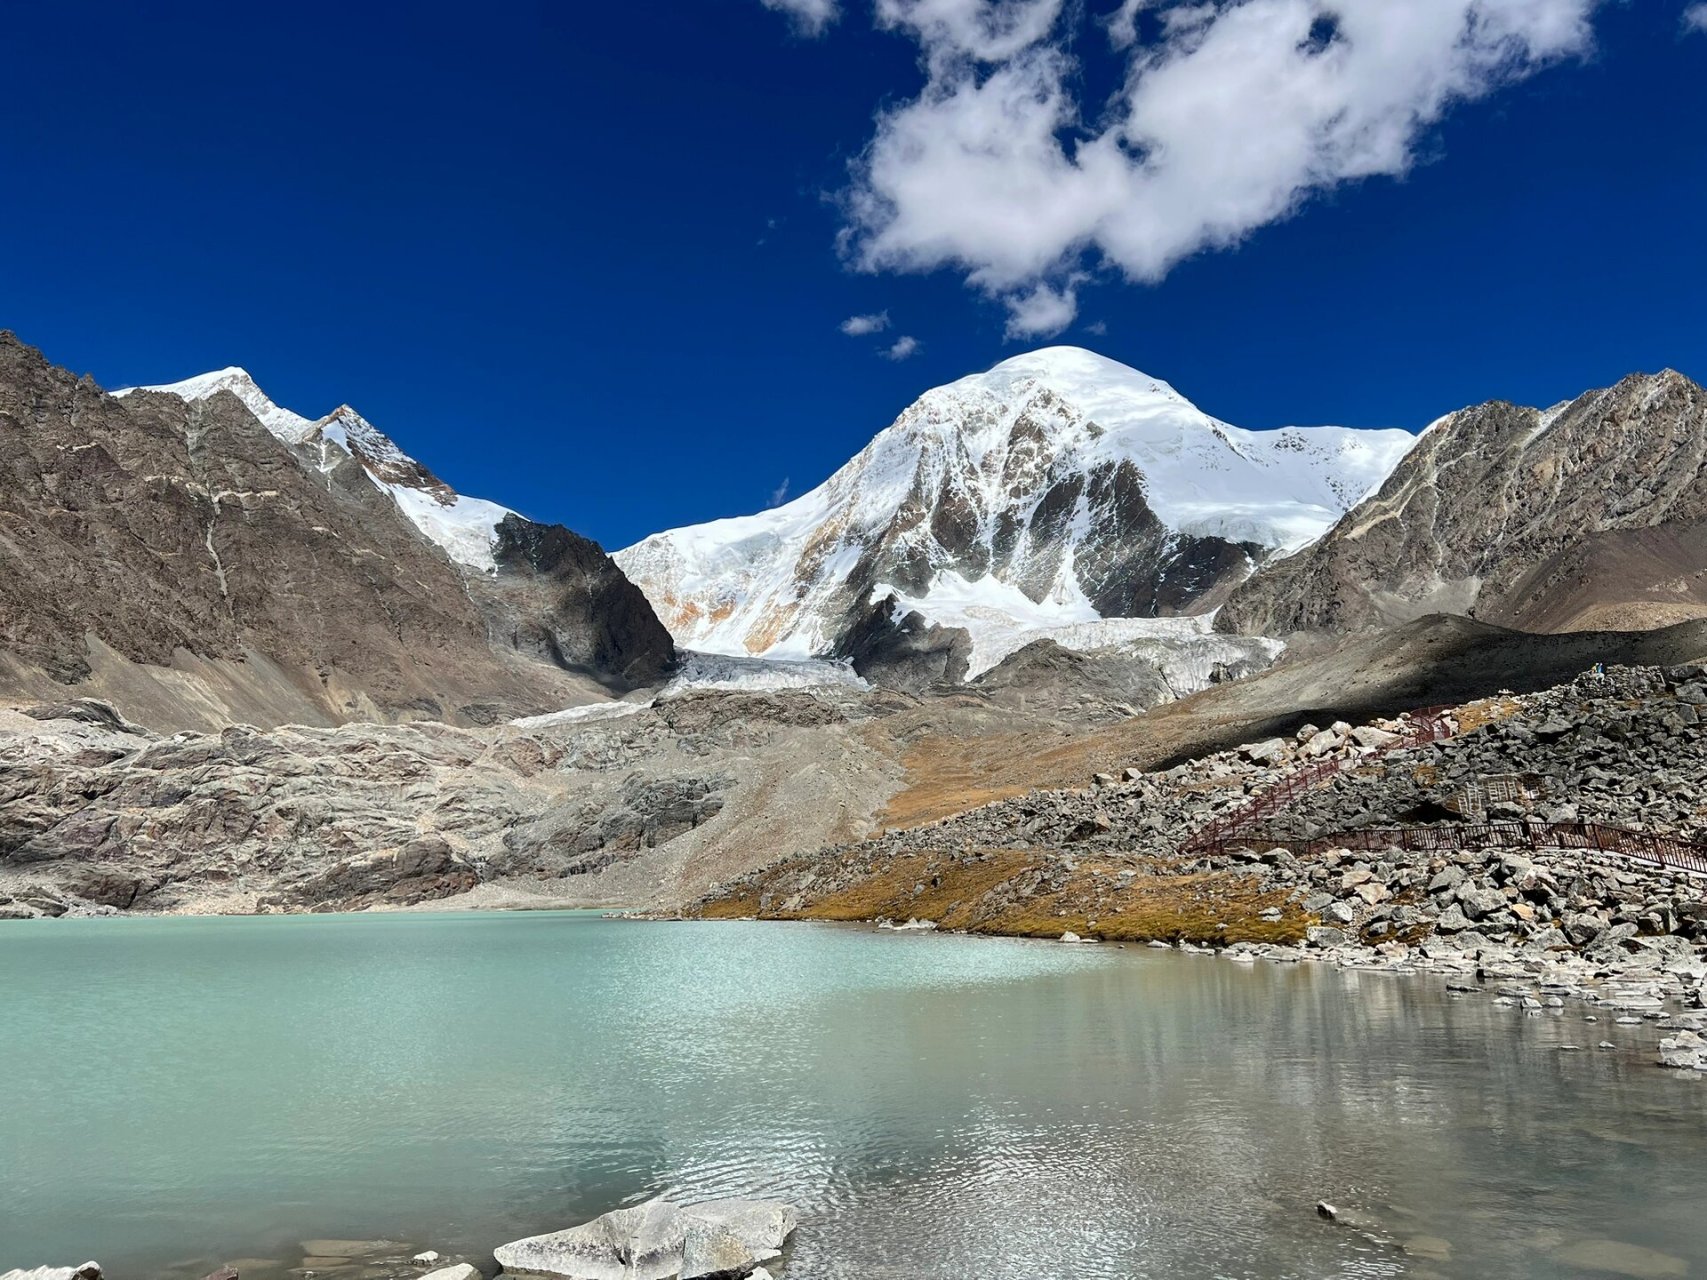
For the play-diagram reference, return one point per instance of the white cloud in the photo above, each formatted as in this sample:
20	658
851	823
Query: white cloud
1230	119
1041	312
811	17
903	348
1122	24
779	495
987	30
864	326
1695	18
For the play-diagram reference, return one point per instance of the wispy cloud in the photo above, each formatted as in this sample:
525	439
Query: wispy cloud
779	495
1231	116
902	348
811	17
1041	311
864	326
1695	18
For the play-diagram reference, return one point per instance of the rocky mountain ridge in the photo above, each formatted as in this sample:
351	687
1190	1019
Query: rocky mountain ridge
1589	515
194	564
466	528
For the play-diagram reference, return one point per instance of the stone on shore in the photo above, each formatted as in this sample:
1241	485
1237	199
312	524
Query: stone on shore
1685	1051
658	1241
88	1271
462	1271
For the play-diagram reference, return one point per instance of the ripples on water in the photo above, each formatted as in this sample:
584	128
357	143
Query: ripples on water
181	1091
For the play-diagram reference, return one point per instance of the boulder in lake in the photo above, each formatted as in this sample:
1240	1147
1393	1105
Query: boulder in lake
658	1241
88	1271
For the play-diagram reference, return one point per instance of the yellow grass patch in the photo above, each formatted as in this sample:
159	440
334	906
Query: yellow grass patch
966	892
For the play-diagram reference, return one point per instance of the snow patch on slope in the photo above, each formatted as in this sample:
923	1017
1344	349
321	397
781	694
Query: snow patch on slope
759	675
590	714
701	671
1186	650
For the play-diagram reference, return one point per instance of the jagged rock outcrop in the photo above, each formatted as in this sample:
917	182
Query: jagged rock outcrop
178	558
901	650
1589	515
556	596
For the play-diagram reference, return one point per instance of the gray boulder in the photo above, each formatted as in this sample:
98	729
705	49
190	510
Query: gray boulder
88	1271
1452	920
642	1243
1479	903
658	1240
764	1224
1684	1051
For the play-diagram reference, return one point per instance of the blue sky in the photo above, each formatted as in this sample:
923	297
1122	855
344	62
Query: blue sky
593	261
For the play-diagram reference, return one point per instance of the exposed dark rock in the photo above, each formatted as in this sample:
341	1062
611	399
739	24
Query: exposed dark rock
566	602
904	651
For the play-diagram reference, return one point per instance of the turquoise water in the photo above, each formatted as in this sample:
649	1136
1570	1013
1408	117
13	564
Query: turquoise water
178	1092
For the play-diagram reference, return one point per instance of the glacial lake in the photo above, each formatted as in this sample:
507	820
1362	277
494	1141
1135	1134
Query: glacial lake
180	1092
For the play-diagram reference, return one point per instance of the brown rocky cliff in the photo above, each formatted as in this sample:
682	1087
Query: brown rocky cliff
162	530
1589	515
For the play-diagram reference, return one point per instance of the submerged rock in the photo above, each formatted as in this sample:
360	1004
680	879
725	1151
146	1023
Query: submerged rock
658	1241
1622	1259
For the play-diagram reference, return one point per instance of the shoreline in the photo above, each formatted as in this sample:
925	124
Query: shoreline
1670	997
1667	1001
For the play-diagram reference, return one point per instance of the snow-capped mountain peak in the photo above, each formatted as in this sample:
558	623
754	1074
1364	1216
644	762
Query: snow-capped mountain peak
290	427
463	527
1059	477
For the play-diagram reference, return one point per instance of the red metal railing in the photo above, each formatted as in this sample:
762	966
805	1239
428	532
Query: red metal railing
1244	827
1426	725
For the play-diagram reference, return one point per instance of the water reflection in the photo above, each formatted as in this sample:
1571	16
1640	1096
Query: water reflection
938	1106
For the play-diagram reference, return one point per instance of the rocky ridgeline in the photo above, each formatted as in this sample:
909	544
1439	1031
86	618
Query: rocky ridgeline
1536	926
